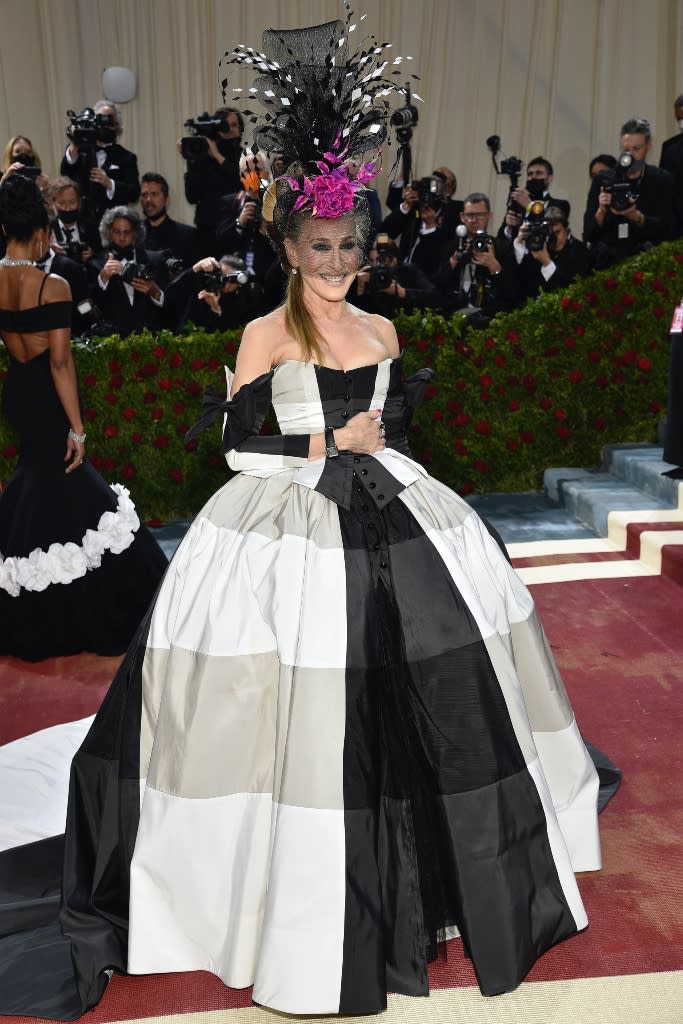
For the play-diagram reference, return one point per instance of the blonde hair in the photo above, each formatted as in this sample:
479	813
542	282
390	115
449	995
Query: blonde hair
7	152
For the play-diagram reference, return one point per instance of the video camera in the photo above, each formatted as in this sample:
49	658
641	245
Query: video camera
623	191
511	166
203	127
87	128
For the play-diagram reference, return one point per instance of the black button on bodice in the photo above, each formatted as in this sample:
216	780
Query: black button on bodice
375	547
363	472
356	459
347	398
364	507
380	497
345	414
382	565
348	378
359	489
372	486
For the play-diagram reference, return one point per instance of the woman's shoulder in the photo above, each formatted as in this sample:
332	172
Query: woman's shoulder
381	328
55	289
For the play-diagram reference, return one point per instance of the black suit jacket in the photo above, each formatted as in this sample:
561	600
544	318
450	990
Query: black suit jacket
77	278
571	262
655	202
671	160
120	165
113	300
180	239
500	292
87	231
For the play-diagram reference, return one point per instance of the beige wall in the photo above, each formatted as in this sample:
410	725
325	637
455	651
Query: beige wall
555	77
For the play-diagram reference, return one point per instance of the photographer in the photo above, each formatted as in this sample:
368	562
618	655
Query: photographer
242	231
212	294
384	285
129	280
539	177
480	276
106	172
417	221
71	234
20	156
630	208
212	156
548	255
161	231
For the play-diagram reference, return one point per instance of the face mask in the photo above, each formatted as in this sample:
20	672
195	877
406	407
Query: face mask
636	167
535	187
27	159
122	252
67	216
107	134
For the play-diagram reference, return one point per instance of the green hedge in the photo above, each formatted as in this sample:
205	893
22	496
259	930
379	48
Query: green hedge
546	385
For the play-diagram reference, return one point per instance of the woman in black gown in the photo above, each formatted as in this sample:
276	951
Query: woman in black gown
77	570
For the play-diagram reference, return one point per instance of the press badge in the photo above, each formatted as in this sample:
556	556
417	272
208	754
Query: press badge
623	229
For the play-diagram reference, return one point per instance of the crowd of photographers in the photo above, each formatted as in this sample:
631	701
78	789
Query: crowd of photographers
130	270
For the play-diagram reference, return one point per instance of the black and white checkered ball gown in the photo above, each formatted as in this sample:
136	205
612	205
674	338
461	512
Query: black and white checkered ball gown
353	738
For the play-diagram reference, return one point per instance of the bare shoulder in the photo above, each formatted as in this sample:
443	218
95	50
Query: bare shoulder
382	329
56	289
258	347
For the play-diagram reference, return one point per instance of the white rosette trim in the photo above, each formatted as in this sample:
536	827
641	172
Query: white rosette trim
64	563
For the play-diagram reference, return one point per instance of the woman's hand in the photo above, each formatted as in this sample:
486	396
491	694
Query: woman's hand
363	434
75	454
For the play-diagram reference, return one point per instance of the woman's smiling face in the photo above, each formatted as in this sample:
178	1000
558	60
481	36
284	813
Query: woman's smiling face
327	254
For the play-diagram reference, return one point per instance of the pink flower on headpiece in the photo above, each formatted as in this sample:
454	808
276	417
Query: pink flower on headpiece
331	193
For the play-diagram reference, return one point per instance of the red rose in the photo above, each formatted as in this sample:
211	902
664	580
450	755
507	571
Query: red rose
148	370
114	366
430	391
566	302
439	338
109	465
460	385
467	487
656	285
160	441
513	405
116	382
460	447
658	312
178	408
128	413
563	433
128	471
644	363
157	414
629	357
483	427
176	476
462	419
599	423
617	378
135	356
489	343
569	342
511	444
486	380
600	314
499	359
546	403
9	451
485	396
478	361
481	466
231	347
149	397
111	431
159	351
529	383
197	364
112	399
591	298
593	356
165	384
576	305
154	523
638	277
526	436
512	337
575	376
437	415
194	388
627	299
617	311
90	414
560	414
213	363
182	429
453	406
90	380
653	344
192	445
136	437
654	407
175	360
610	283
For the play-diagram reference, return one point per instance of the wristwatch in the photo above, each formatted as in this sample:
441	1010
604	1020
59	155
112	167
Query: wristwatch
331	450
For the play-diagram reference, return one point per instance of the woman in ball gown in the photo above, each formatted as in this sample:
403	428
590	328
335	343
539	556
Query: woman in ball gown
341	736
77	571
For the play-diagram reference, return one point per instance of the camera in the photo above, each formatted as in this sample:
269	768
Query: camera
28	171
510	166
74	250
256	219
619	186
87	127
214	280
480	242
404	119
203	127
133	269
430	191
539	229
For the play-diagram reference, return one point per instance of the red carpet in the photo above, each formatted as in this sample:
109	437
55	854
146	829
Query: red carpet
619	644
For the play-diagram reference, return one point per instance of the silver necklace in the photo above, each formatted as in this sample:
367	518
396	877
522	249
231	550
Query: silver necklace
7	262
